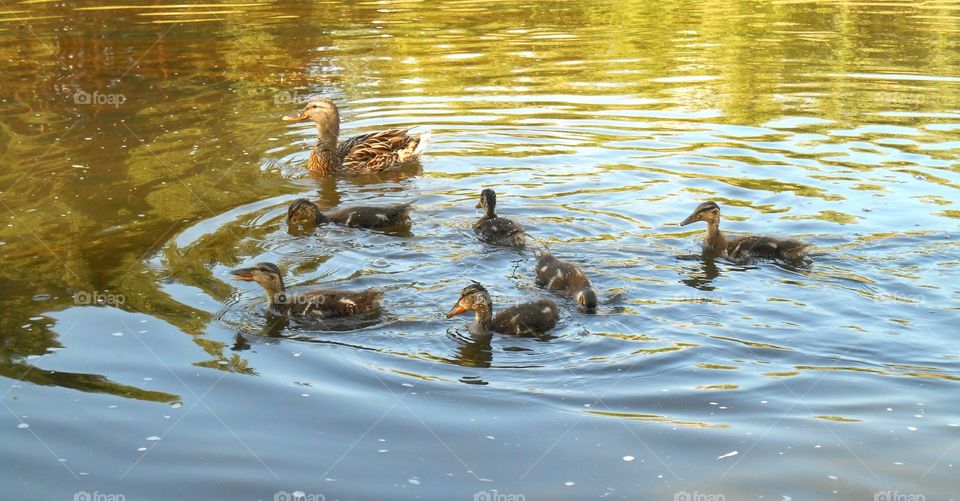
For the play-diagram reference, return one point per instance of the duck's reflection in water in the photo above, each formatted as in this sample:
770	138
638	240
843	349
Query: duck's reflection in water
397	180
273	328
327	192
472	350
240	343
701	275
278	327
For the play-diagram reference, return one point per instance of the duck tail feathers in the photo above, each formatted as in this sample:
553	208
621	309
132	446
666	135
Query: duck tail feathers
423	140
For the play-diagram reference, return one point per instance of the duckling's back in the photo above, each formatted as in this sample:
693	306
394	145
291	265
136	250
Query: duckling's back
556	275
337	303
372	216
533	318
499	231
765	247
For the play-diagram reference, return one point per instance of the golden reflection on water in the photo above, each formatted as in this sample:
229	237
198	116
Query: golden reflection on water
657	418
601	125
839	419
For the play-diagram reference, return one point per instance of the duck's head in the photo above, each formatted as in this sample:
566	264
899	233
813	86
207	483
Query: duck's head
321	111
472	297
707	211
488	200
587	300
303	212
268	275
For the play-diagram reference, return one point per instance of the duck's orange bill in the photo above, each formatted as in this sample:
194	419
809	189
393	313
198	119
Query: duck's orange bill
242	274
294	118
457	309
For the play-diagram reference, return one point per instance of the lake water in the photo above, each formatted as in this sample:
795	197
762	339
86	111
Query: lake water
142	156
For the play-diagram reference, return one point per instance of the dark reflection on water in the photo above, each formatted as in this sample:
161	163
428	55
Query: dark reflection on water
703	273
473	351
142	157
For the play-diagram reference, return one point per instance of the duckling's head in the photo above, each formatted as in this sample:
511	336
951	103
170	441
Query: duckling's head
488	200
587	300
321	111
268	275
472	297
303	212
707	211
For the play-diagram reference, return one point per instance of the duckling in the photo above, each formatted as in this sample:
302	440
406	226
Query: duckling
363	154
303	212
494	229
565	278
533	318
741	248
315	303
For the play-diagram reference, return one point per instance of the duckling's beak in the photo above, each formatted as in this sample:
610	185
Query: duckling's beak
479	205
457	309
295	118
691	219
245	274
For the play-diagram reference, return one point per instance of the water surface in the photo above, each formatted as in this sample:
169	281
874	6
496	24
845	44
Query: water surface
142	157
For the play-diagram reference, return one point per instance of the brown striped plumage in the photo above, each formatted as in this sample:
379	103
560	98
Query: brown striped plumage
364	154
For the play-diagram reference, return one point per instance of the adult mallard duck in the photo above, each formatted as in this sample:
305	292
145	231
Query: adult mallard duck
315	303
364	154
565	278
494	229
745	247
303	212
533	318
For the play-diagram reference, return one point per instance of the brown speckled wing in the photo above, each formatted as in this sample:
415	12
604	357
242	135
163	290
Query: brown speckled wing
547	266
373	217
556	275
499	231
335	303
527	319
376	152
